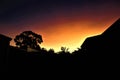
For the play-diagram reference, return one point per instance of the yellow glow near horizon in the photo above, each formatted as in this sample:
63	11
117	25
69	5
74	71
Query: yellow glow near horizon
70	35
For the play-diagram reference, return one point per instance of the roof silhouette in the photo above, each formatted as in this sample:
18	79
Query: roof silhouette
114	29
108	41
104	48
5	38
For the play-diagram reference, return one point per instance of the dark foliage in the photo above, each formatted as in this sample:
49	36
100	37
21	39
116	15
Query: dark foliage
28	39
43	60
96	53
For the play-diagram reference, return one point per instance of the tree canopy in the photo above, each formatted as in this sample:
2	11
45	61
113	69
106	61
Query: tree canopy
28	39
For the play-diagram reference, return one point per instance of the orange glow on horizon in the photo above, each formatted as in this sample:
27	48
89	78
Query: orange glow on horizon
63	24
64	33
70	35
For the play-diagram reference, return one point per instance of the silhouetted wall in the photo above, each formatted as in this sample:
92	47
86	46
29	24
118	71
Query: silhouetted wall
4	50
104	46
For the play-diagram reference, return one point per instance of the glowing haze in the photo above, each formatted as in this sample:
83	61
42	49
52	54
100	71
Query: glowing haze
60	23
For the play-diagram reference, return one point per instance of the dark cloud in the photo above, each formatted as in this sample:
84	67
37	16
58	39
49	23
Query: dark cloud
16	9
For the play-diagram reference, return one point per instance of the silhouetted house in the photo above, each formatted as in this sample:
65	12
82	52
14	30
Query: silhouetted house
92	44
105	44
4	43
4	50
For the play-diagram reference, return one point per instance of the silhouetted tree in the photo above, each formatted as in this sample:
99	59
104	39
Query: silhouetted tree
28	39
51	51
64	49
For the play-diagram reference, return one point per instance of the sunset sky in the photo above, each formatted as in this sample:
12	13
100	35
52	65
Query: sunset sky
60	22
